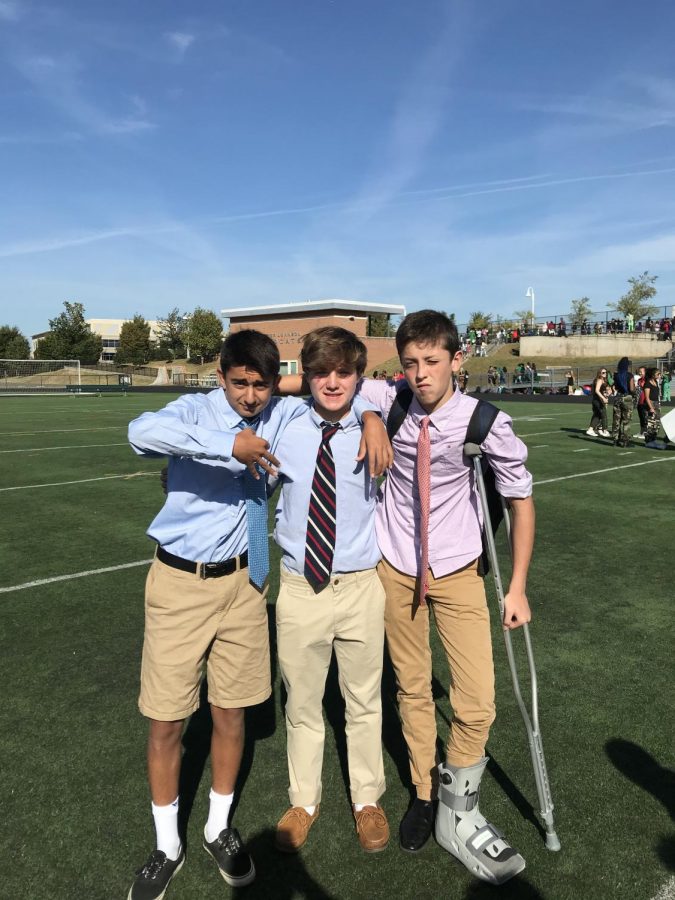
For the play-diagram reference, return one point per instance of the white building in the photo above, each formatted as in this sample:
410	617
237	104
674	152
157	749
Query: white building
109	329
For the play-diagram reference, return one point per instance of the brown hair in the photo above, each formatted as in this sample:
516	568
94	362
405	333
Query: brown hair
330	347
428	326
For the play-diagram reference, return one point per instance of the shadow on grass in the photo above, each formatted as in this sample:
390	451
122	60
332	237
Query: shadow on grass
260	724
516	889
646	772
279	875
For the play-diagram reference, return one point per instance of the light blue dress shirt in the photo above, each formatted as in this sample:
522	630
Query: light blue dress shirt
355	542
204	516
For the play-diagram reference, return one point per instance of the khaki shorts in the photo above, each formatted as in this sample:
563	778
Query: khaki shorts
189	619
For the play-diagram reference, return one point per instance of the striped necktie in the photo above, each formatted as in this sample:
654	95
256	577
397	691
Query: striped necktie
424	491
320	541
255	490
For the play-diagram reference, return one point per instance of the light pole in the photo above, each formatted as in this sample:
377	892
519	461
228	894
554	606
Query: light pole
530	294
187	318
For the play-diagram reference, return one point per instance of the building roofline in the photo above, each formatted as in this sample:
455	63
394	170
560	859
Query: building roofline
362	306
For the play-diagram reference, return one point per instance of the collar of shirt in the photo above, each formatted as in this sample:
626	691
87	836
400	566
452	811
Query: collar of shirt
346	423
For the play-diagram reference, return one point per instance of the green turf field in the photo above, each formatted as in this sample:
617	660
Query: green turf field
73	797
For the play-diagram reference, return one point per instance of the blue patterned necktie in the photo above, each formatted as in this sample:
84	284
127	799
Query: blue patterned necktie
256	518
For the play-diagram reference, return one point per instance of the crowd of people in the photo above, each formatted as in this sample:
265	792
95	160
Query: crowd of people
645	391
358	565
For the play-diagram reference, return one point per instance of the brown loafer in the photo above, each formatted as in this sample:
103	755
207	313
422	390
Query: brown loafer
293	828
372	828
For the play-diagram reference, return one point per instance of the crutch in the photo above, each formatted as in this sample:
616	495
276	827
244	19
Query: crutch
473	451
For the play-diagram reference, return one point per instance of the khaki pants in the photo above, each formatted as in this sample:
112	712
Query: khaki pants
347	615
462	619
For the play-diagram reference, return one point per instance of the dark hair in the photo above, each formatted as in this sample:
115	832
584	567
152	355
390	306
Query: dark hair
650	373
330	347
428	326
251	349
622	372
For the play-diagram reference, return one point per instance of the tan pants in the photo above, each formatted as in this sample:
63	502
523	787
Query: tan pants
347	615
462	619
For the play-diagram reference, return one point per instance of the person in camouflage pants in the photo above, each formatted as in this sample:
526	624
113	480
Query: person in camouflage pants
623	403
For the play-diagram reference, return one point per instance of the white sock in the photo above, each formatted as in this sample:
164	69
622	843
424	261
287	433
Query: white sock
310	810
219	813
166	826
359	806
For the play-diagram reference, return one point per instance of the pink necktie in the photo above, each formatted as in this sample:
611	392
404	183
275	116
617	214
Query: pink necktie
424	490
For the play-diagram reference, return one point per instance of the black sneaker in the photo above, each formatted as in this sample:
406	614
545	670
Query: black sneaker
153	878
234	862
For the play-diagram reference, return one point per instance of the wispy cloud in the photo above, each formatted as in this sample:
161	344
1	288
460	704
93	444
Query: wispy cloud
58	81
180	41
419	112
10	11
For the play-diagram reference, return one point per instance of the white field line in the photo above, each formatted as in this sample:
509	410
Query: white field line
60	430
41	581
667	890
647	462
538	446
25	487
69	447
538	433
582	450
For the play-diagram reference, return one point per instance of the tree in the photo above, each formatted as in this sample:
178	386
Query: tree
524	316
70	337
171	333
581	310
134	346
204	334
380	326
13	345
635	301
480	320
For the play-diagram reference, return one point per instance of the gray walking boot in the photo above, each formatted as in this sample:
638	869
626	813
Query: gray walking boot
463	831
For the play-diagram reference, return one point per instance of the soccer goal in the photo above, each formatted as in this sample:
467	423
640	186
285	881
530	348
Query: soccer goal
33	376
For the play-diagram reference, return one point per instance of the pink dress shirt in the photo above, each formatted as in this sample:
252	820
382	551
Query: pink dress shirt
455	518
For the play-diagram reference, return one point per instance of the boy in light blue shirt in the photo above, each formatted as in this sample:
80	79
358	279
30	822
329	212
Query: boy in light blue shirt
330	596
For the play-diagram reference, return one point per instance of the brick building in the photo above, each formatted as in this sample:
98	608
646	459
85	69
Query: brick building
287	322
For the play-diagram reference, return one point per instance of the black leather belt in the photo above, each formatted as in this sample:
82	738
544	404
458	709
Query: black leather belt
205	570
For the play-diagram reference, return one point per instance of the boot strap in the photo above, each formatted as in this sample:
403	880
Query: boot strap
483	836
459	802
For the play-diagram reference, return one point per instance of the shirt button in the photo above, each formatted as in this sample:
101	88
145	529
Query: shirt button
337	581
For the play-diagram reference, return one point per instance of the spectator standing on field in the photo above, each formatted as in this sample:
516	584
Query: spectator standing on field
652	394
624	384
598	426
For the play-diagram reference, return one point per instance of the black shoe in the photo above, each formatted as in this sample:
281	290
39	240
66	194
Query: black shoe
416	825
234	862
153	878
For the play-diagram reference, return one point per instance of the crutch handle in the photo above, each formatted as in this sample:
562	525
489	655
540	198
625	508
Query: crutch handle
472	451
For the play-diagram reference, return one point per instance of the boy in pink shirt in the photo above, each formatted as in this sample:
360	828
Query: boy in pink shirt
429	531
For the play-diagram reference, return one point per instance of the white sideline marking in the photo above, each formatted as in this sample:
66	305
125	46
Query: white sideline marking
626	453
582	450
538	446
538	433
647	462
30	584
61	430
69	447
23	487
667	890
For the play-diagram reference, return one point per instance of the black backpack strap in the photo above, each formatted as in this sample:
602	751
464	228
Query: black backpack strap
481	422
399	410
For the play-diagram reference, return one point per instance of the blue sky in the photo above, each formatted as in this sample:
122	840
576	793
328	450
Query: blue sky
238	152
